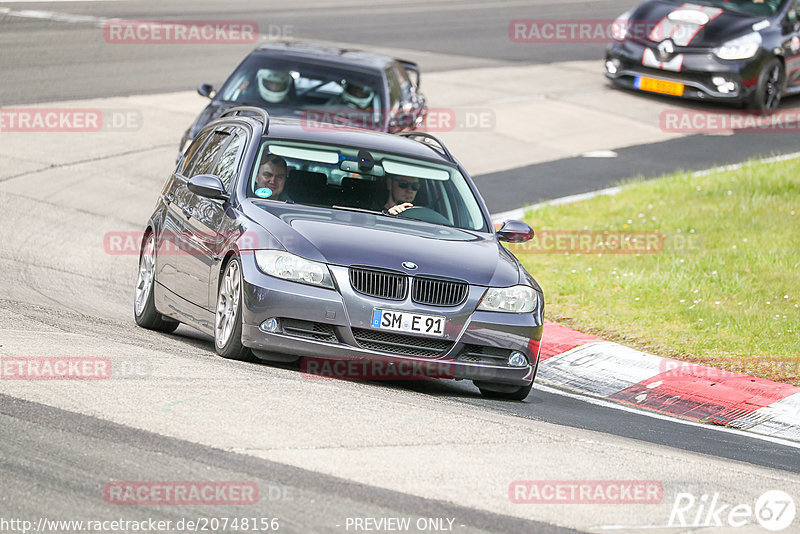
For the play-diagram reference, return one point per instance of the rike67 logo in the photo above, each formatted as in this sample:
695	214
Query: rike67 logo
774	510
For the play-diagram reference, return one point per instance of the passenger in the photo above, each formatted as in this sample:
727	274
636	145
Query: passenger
402	191
273	85
271	178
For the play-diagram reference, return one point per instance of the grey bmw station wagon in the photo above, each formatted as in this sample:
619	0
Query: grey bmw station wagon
285	240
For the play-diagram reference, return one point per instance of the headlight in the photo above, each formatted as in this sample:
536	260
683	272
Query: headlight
743	47
619	28
515	299
290	267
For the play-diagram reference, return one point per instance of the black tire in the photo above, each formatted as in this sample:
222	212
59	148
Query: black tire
144	306
768	92
228	344
503	392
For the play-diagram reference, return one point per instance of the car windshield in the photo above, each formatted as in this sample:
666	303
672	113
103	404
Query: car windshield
289	87
351	179
762	7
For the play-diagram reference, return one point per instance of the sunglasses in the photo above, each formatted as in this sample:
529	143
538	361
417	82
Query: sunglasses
405	185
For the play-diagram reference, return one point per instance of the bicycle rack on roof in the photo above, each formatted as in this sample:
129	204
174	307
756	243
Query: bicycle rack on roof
233	112
426	138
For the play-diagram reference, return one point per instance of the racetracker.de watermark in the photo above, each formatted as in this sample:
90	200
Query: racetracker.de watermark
180	493
319	369
692	122
434	120
127	243
580	30
183	31
80	120
586	492
765	366
592	242
54	368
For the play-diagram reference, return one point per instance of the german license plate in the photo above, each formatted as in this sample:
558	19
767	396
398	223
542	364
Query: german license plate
659	86
417	323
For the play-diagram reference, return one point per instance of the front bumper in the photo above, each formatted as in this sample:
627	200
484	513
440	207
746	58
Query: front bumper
696	71
335	325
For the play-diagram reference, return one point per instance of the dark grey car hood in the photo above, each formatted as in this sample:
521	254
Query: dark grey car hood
723	24
351	238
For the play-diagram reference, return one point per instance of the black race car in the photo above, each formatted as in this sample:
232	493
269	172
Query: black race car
320	85
737	51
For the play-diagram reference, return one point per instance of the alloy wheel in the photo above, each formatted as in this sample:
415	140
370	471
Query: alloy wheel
144	282
228	303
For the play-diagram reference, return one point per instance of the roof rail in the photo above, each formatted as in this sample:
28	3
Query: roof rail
233	112
426	138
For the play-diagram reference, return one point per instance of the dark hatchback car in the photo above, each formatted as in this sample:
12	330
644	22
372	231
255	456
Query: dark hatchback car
314	265
736	51
319	83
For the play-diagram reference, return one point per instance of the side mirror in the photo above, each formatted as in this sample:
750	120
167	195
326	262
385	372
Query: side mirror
208	186
206	90
412	69
515	232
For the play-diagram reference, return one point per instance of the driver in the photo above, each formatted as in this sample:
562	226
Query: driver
402	191
359	96
271	178
273	85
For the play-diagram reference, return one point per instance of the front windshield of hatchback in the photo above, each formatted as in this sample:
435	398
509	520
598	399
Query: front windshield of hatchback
288	87
351	179
763	7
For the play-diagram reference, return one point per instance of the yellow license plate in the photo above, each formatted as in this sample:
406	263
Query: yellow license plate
659	86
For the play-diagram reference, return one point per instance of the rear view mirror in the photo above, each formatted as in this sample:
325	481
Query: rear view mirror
515	232
206	90
208	186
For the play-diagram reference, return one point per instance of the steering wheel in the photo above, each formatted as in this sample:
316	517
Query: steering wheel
421	213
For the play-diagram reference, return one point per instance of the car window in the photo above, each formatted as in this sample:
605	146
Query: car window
395	91
207	158
794	11
282	86
765	7
193	151
330	177
405	82
228	162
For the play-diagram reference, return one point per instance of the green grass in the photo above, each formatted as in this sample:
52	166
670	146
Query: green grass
725	289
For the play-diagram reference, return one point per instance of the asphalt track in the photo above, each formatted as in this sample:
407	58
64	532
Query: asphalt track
61	444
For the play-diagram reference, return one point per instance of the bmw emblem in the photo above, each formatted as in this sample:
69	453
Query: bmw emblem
410	265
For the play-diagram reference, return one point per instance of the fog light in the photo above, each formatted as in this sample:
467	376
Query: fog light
270	325
517	359
724	85
612	66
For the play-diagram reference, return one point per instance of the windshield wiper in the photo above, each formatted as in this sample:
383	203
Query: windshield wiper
360	210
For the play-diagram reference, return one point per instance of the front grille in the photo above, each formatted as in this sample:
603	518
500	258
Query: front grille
380	284
484	354
401	343
309	330
436	292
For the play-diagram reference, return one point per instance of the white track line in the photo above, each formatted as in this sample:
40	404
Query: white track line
519	213
619	406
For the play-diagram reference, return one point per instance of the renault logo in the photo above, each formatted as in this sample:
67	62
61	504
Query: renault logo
410	265
665	48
